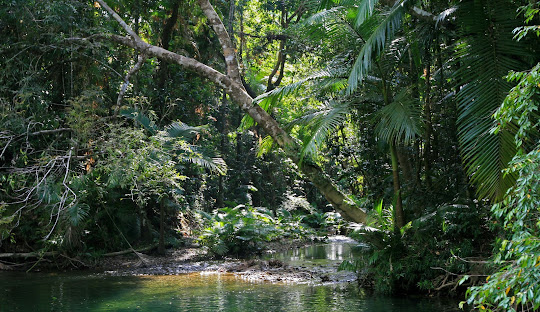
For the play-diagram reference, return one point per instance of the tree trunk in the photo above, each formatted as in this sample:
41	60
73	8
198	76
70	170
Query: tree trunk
429	127
165	40
161	245
232	85
399	217
223	129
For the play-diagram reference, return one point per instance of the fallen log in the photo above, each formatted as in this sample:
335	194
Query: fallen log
128	251
15	255
19	255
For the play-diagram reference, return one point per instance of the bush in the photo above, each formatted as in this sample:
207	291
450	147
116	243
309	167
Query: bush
243	230
419	255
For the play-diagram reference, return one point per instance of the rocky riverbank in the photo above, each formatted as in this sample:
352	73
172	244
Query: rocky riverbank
262	268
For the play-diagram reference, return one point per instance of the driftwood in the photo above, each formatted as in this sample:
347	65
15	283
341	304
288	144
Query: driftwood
128	251
18	255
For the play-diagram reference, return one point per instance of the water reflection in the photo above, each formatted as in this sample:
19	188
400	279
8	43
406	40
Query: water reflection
319	254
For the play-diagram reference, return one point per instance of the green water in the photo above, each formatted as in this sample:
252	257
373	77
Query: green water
189	292
199	291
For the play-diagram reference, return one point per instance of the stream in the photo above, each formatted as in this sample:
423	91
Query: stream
207	290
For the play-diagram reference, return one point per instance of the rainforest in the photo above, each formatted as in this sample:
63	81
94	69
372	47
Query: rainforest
229	155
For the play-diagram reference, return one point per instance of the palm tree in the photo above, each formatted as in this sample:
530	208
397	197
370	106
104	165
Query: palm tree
485	53
398	119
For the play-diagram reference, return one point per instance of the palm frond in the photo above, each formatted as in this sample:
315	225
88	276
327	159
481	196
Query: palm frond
265	145
179	129
444	15
140	118
322	122
325	16
376	43
485	56
77	213
214	164
329	80
400	121
365	10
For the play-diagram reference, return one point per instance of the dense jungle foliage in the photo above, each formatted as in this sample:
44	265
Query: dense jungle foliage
423	113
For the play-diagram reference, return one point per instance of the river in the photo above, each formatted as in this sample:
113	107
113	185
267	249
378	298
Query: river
204	291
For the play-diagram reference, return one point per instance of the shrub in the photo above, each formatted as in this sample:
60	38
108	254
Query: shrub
243	230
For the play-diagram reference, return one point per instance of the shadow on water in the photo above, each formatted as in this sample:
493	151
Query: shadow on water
59	291
201	291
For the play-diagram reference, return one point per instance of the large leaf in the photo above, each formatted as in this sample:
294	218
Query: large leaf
486	54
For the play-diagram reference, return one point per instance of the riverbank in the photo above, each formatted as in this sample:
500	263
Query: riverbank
262	267
193	258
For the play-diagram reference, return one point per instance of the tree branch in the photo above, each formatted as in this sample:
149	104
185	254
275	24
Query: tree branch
223	36
120	21
48	131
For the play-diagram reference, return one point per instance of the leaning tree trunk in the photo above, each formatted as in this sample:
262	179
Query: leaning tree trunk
232	85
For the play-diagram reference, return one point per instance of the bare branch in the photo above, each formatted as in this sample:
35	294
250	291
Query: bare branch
6	146
140	61
455	274
48	131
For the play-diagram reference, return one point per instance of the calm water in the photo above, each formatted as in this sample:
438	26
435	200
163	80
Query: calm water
198	292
